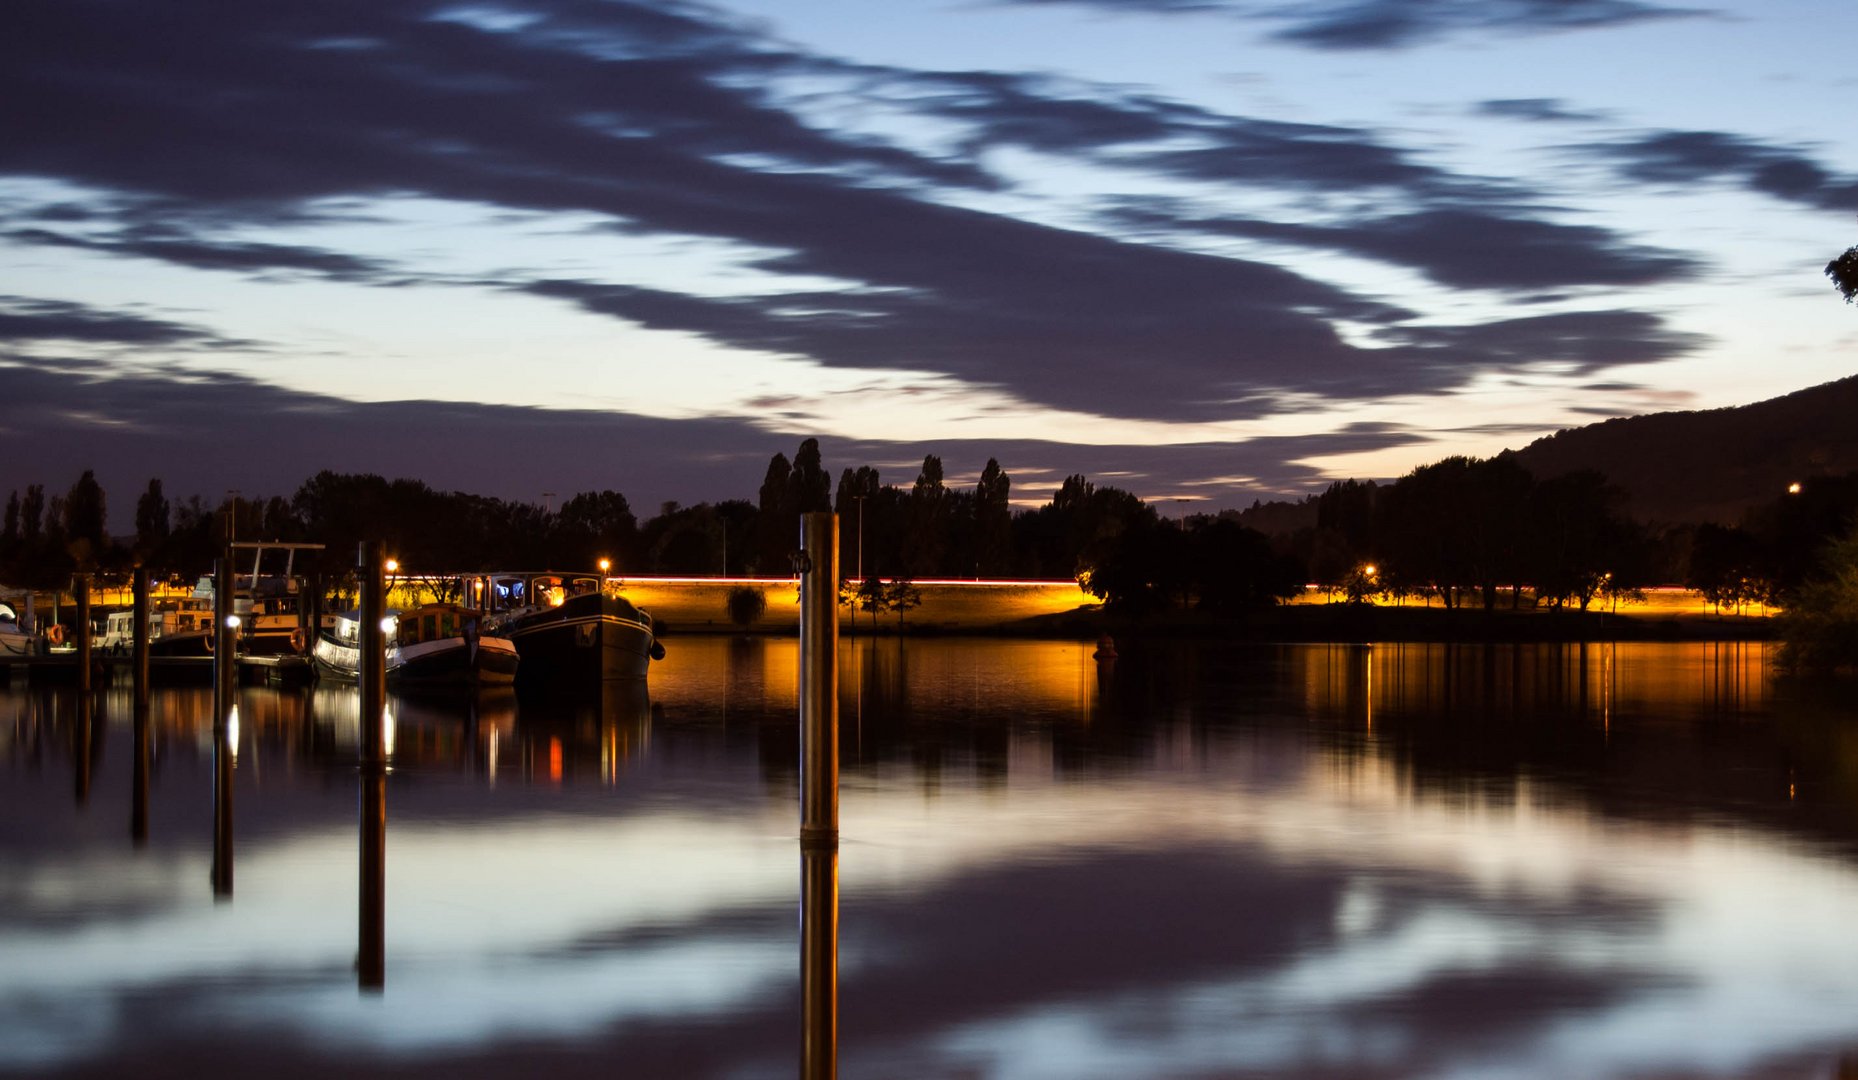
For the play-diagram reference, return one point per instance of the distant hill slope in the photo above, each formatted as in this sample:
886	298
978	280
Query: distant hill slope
1715	464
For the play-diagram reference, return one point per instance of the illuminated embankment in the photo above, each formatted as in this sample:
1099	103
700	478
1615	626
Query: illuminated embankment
702	603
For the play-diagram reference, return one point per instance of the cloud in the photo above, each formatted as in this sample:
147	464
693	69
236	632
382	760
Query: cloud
1463	248
1583	342
1692	157
194	430
28	320
183	249
1545	110
1381	24
195	124
1389	24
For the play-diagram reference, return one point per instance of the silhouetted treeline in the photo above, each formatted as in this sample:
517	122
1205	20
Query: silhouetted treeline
1485	533
1472	532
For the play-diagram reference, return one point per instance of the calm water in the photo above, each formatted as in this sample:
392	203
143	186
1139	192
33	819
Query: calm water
1220	860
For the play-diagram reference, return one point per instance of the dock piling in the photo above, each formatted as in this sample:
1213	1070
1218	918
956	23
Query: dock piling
140	638
225	642
371	561
81	592
371	963
819	679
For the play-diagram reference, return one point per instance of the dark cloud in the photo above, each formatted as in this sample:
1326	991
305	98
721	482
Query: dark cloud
1585	341
197	429
1380	24
28	320
665	120
182	249
1547	110
1692	157
1157	135
1468	249
1385	24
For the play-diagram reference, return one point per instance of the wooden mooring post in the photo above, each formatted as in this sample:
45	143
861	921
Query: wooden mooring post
819	679
81	592
819	796
371	954
225	723
139	636
138	788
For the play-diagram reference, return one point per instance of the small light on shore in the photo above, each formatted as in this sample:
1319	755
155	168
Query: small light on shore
1793	488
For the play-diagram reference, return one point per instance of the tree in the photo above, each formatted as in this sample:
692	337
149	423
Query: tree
993	521
745	604
1819	629
1727	565
1844	274
595	525
777	523
900	596
1234	568
927	537
9	540
32	519
870	595
809	485
151	520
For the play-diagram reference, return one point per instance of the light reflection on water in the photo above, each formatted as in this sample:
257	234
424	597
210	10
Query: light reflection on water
1398	860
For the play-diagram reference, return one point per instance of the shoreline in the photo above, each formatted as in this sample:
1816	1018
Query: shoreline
1311	623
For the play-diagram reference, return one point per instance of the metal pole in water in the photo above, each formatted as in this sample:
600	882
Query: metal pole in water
82	588
371	561
138	782
225	642
225	706
371	955
819	679
140	638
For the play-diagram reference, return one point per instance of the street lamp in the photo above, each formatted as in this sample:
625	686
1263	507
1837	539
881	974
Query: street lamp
605	565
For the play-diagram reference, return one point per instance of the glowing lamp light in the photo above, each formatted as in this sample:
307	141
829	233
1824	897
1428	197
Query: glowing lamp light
387	625
232	622
393	566
1370	569
1793	488
605	565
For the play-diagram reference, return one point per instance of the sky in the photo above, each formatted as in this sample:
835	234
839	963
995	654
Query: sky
1205	250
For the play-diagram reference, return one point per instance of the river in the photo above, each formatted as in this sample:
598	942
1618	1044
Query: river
1199	860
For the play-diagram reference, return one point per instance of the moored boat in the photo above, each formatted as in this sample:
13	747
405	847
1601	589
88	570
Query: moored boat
13	640
175	628
433	645
573	633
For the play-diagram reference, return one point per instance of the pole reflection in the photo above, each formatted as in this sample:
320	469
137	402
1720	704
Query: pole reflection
83	741
371	958
225	736
138	783
819	961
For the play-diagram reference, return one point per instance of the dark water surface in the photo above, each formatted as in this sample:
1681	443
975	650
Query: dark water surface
1206	860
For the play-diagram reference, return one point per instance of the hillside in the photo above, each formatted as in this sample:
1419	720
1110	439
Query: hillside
1712	465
